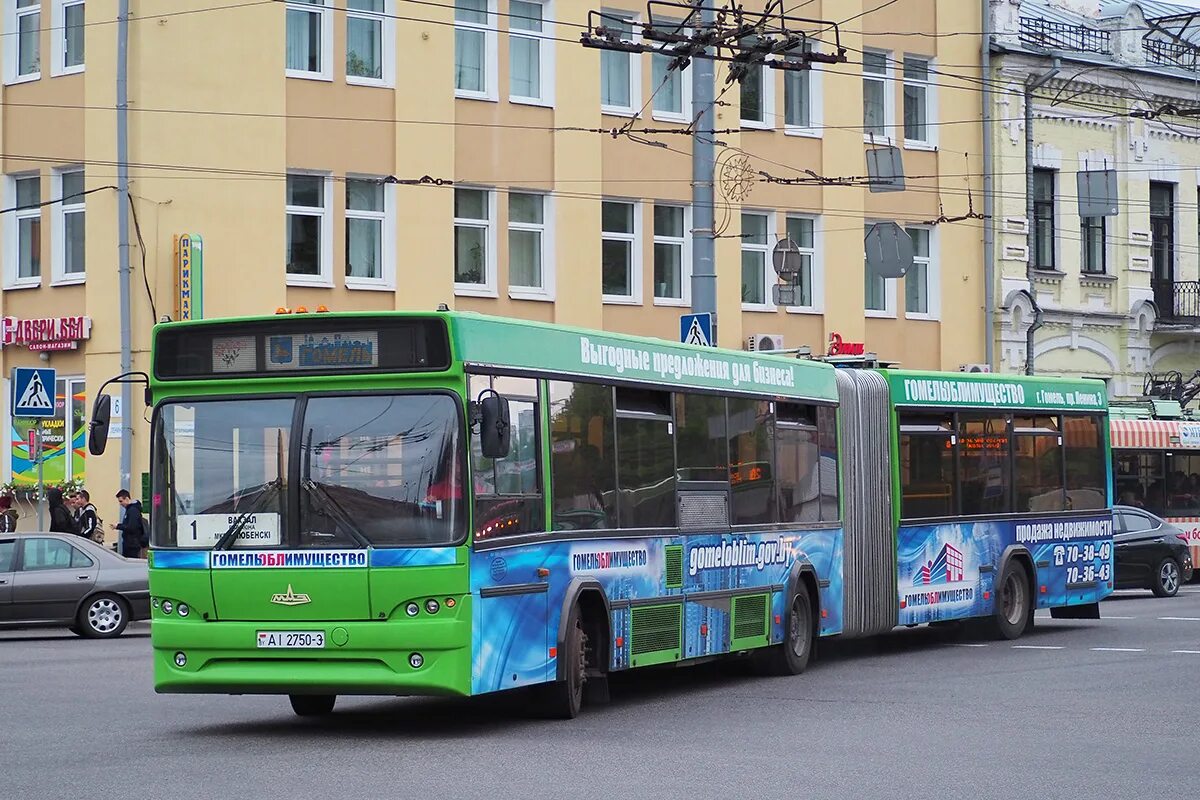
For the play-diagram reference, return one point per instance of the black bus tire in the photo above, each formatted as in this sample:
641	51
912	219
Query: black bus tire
1014	603
563	699
792	656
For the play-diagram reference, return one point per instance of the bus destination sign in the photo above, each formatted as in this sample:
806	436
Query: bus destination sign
344	350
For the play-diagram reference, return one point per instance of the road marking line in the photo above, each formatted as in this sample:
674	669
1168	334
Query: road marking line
1119	649
1114	616
1181	619
1036	647
1188	652
958	644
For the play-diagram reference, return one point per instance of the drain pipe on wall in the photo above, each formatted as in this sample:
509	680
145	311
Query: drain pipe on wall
1032	83
989	206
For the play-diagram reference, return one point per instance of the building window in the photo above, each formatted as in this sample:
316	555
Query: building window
758	98
619	251
309	245
24	23
670	253
672	89
23	231
66	22
1162	232
67	223
620	73
801	230
530	53
368	42
801	102
877	103
1094	244
370	252
308	39
474	239
527	244
917	99
474	49
755	251
920	283
1043	219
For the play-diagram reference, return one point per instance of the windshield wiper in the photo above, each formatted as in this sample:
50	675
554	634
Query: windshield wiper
339	513
235	527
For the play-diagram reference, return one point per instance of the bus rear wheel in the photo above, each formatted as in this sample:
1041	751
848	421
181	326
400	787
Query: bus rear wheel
1014	603
791	657
312	705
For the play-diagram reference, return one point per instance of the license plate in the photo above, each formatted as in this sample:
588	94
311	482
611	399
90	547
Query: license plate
292	640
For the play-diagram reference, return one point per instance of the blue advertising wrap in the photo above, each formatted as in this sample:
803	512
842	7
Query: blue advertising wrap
949	571
518	612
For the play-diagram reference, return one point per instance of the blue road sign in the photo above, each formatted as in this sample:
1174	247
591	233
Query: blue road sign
33	392
696	329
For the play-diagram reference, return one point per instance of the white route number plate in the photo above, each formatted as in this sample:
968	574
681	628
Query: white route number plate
292	640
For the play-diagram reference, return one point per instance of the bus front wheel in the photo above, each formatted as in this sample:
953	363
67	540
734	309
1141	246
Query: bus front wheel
792	656
1014	603
312	705
563	699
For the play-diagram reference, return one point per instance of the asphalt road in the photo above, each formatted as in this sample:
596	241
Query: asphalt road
1075	709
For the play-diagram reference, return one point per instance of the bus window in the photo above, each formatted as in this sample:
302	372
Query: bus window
828	439
1138	480
1183	485
983	464
797	463
926	466
583	472
701	445
1084	455
645	459
1037	464
508	495
751	465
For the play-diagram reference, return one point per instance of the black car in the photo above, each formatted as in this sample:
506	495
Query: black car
1150	553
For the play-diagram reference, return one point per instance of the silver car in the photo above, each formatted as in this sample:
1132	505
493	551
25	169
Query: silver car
59	579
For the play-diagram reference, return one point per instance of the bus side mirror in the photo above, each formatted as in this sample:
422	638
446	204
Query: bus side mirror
98	428
494	428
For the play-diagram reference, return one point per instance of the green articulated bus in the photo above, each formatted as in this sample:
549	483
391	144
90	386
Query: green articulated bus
454	504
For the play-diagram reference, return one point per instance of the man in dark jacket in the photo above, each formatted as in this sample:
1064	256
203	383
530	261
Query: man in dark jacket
131	526
61	518
88	520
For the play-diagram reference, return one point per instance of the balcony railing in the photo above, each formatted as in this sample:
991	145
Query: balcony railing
1177	301
1038	32
1171	54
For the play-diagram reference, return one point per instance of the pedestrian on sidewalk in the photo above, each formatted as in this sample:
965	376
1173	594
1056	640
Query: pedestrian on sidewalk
8	515
132	526
61	518
89	522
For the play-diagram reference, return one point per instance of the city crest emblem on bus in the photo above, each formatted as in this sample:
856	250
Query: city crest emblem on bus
290	598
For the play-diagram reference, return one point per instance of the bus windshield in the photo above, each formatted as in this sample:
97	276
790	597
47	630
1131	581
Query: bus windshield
361	470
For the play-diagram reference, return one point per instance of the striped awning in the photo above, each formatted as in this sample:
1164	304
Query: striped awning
1154	434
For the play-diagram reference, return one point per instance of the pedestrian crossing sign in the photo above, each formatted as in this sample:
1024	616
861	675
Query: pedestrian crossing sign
696	329
33	392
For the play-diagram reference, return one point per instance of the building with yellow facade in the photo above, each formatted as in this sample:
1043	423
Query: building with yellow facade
395	154
1119	294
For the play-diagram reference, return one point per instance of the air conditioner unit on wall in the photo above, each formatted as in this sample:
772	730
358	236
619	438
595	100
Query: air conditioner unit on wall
765	341
975	368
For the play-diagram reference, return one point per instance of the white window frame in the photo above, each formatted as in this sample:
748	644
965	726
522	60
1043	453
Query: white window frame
58	228
817	254
325	12
324	279
545	57
887	78
12	55
931	128
634	298
491	58
685	263
768	303
889	288
488	287
768	98
685	88
635	69
933	285
11	229
387	53
816	101
546	229
386	282
58	35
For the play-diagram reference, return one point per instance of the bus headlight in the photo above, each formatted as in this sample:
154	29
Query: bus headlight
167	606
416	660
412	609
183	609
181	659
432	606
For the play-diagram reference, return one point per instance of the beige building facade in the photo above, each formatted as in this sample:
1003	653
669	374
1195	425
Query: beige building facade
376	155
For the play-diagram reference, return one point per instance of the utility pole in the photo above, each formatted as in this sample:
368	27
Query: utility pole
123	267
704	262
1032	83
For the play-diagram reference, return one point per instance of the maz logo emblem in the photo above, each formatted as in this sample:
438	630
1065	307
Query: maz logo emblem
290	598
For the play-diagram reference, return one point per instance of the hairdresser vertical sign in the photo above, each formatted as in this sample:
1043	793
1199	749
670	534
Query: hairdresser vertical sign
189	276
